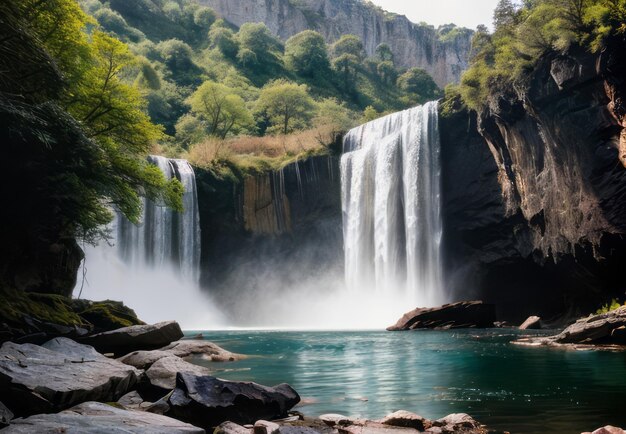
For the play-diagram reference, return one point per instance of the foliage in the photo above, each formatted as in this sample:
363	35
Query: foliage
221	109
288	105
348	45
419	83
523	33
608	307
306	54
256	39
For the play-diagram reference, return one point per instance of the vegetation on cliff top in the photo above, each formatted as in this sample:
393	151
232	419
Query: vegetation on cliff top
207	80
525	32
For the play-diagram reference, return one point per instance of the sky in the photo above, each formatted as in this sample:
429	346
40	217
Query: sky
465	13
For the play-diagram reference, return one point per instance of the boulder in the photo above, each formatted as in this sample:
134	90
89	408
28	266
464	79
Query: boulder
185	348
406	419
5	415
602	329
332	419
531	323
231	428
162	374
59	374
607	430
139	337
370	427
207	401
132	401
456	422
265	427
98	418
464	314
106	315
198	347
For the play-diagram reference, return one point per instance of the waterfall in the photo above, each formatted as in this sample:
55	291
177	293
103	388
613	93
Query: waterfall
164	237
390	181
153	267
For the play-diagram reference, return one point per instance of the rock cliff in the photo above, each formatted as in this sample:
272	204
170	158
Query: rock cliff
544	226
443	52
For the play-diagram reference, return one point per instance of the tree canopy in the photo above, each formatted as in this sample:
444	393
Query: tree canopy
306	53
287	104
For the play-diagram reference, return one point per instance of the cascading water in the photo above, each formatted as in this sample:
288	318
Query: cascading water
390	177
154	266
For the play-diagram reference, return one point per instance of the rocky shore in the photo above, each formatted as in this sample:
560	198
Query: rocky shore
140	379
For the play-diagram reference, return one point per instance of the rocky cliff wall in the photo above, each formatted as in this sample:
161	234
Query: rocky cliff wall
280	228
544	225
445	58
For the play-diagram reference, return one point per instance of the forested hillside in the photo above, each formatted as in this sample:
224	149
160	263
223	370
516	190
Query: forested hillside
241	95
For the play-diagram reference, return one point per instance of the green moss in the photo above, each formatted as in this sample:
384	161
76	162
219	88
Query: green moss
608	307
109	315
55	309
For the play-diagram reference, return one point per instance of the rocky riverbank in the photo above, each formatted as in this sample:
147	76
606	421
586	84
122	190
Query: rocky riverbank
65	385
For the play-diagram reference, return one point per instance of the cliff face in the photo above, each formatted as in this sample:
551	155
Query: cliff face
270	232
546	223
445	58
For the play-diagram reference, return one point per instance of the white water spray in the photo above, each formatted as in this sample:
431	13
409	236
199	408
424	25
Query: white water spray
390	175
153	267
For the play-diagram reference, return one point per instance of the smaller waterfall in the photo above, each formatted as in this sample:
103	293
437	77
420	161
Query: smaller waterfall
164	237
390	175
154	266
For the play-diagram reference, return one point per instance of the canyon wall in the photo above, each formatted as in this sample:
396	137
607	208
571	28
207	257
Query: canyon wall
543	224
443	52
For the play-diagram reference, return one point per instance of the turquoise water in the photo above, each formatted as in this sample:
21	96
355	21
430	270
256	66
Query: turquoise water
434	373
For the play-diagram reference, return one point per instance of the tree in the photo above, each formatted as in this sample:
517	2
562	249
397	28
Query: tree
176	54
288	105
258	39
418	82
109	153
223	39
504	14
384	53
204	17
347	67
332	120
369	114
348	45
306	53
221	108
189	130
387	72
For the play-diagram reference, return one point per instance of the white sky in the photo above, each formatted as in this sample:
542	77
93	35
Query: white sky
465	13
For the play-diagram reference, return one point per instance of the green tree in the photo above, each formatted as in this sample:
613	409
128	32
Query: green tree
387	72
369	114
288	105
418	82
258	39
384	53
222	110
223	38
111	113
189	130
504	14
204	17
347	67
348	45
306	53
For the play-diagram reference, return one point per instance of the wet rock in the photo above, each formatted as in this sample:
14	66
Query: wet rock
207	401
143	359
140	337
231	428
131	401
607	430
457	421
162	374
531	323
603	329
98	418
208	350
60	374
5	415
465	314
332	419
406	419
265	427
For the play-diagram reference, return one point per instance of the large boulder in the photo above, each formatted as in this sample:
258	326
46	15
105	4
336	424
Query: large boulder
207	401
602	329
139	337
98	418
465	314
59	374
199	347
161	377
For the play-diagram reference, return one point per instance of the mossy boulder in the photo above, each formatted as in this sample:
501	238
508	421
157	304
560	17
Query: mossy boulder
106	315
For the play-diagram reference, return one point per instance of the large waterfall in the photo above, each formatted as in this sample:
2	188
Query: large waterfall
390	175
154	266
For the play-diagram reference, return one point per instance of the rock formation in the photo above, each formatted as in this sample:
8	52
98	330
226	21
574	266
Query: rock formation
534	189
465	314
444	53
